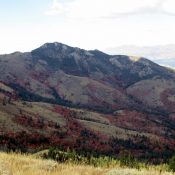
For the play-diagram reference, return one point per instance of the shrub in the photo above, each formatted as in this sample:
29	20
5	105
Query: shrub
129	161
77	158
172	164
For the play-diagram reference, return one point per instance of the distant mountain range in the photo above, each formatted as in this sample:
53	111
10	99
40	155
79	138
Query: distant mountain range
57	95
163	54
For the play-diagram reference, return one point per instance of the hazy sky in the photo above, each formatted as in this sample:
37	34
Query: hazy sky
89	24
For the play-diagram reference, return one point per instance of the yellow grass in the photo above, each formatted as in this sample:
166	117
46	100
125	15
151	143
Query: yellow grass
17	164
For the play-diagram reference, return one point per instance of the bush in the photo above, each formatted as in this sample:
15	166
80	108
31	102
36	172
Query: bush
130	161
172	164
77	158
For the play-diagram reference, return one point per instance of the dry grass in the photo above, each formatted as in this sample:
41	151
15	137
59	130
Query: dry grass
17	164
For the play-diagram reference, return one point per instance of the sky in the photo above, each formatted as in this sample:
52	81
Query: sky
88	24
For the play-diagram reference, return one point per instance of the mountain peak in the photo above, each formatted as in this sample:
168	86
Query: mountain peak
137	91
54	45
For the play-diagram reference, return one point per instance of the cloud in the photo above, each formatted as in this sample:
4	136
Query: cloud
56	8
92	9
161	7
107	8
169	6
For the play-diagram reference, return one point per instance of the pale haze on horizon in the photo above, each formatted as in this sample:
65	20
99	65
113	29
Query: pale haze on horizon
88	24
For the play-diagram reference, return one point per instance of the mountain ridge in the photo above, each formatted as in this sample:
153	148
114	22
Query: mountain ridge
75	95
113	72
161	54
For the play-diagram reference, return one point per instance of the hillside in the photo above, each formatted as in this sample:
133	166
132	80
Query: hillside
91	79
59	95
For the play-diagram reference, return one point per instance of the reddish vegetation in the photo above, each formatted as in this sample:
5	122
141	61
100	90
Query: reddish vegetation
132	102
42	133
75	136
34	122
78	134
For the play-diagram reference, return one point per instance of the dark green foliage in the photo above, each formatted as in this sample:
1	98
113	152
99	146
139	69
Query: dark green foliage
129	144
88	134
29	96
172	164
129	161
80	158
57	125
88	158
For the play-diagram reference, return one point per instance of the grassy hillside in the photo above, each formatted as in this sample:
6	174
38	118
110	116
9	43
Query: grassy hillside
17	164
36	125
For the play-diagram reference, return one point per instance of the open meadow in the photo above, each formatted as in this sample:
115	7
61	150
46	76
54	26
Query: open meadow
21	164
